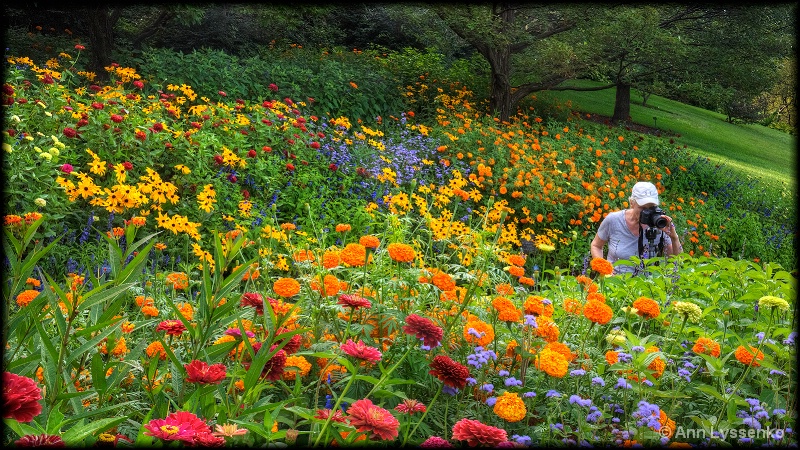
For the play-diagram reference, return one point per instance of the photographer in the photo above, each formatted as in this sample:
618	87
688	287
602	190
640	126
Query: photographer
642	230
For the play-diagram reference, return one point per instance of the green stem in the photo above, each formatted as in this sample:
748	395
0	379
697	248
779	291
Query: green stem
672	344
336	407
421	419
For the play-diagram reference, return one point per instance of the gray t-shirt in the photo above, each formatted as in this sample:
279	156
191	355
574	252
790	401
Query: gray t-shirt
622	244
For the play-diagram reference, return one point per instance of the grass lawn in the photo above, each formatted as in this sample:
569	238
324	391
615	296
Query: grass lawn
754	150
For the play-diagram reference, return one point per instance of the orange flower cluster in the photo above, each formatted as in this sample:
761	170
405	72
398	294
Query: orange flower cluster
657	365
401	252
507	312
535	305
562	348
303	256
343	228
369	241
286	287
443	281
601	266
706	346
354	255
646	307
330	285
25	297
179	280
510	407
573	306
330	259
552	363
598	312
748	357
484	333
547	328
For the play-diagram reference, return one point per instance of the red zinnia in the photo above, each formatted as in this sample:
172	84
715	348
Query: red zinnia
172	327
41	440
253	299
273	87
138	84
367	417
477	433
354	301
116	118
290	166
423	328
70	132
410	406
273	369
450	372
21	398
201	373
361	351
323	414
293	345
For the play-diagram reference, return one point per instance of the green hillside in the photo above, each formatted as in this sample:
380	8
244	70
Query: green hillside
754	150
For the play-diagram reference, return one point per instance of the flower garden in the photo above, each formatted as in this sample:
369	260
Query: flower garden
186	270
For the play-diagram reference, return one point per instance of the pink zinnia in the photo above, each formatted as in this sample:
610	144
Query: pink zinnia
361	351
323	414
450	372
423	328
253	299
201	373
21	398
477	433
410	406
179	426
354	301
67	168
172	327
367	417
436	442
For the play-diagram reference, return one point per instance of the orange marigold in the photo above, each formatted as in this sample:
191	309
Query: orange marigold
707	346
517	260
186	310
156	348
343	227
482	334
612	357
369	241
354	255
748	357
150	311
507	312
598	312
302	365
596	296
547	329
516	271
583	280
552	363
535	305
510	407
286	287
647	307
573	306
401	252
601	266
562	348
504	289
304	256
527	281
25	297
179	280
443	281
330	259
657	365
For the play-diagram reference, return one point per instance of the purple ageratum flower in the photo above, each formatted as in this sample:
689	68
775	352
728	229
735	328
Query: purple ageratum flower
778	412
511	381
752	423
577	372
557	426
449	390
476	333
594	415
522	440
553	393
531	394
637	348
624	357
576	399
790	338
488	387
547	301
471	381
598	380
648	415
530	320
685	374
777	372
622	384
503	373
491	401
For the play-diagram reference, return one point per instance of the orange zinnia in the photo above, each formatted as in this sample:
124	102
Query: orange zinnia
646	307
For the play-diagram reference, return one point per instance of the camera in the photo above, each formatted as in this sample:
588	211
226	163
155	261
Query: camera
653	217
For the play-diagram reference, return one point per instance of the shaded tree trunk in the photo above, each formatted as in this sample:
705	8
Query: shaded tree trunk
101	21
500	98
622	103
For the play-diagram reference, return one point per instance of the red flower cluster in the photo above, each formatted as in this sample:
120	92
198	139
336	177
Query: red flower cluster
410	406
201	373
361	351
21	398
477	433
172	327
294	342
450	372
41	440
253	299
423	328
273	369
367	417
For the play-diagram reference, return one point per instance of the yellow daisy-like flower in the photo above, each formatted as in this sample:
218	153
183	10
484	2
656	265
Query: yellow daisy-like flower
510	407
773	302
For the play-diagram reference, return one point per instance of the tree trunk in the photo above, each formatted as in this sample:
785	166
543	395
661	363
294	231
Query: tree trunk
622	104
101	39
500	97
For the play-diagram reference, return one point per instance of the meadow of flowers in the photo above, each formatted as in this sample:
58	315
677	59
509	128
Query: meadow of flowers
184	270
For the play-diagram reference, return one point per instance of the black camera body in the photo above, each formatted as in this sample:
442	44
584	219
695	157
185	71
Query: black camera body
653	217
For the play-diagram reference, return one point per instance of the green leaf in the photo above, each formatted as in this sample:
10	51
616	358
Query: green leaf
75	436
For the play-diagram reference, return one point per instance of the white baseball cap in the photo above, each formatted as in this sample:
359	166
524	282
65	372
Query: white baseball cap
644	192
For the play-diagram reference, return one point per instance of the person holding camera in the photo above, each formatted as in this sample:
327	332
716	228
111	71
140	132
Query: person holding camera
642	230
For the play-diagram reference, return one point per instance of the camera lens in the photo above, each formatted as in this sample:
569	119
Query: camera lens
660	222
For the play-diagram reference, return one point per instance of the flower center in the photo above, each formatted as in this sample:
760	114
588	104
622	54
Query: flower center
170	429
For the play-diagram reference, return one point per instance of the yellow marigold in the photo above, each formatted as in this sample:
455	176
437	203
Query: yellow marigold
302	365
156	348
330	259
536	305
443	281
369	241
510	407
25	297
552	363
343	227
706	346
401	252
573	306
482	334
748	357
354	255
598	312
562	348
601	266
286	287
516	260
547	329
150	311
647	307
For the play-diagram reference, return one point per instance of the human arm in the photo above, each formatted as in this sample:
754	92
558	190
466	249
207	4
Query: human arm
596	247
676	247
